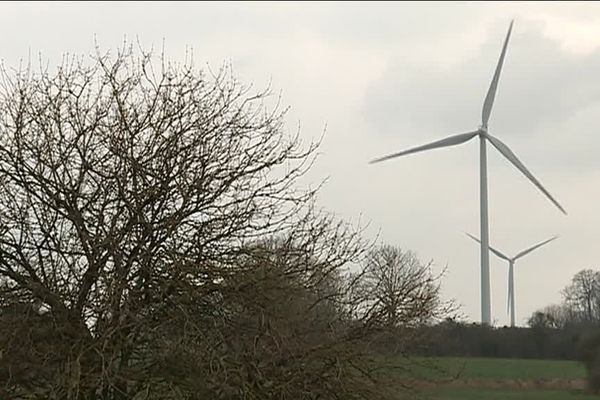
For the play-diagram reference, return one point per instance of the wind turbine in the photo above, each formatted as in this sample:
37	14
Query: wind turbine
511	276
484	136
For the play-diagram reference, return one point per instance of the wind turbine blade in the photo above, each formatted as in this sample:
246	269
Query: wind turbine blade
509	296
532	248
496	252
506	152
491	94
449	141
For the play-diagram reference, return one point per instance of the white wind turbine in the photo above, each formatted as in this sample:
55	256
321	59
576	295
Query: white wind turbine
511	276
484	136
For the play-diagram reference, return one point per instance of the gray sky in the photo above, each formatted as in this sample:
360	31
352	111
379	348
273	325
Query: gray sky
382	77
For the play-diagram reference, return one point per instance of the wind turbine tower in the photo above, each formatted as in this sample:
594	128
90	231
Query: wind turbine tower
484	137
511	275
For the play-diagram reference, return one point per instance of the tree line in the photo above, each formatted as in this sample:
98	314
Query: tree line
580	306
558	331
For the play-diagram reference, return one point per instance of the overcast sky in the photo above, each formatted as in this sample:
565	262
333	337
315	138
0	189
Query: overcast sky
382	77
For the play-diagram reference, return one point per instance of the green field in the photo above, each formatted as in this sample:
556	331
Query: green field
500	368
496	379
457	393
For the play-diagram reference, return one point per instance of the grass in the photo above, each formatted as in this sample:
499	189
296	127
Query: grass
500	368
499	379
458	393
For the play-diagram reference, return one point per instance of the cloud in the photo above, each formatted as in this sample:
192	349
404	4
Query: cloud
541	85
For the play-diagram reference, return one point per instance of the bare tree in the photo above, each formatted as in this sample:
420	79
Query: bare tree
556	316
401	287
127	191
155	243
582	295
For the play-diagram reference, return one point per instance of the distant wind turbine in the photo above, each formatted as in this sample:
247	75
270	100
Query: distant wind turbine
484	135
511	276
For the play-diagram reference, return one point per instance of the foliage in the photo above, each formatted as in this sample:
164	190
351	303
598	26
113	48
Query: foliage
590	355
456	339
